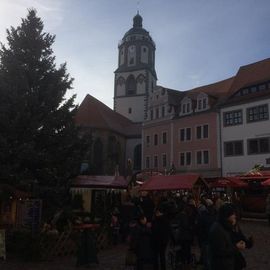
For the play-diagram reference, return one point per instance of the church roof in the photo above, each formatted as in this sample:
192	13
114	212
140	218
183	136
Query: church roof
94	114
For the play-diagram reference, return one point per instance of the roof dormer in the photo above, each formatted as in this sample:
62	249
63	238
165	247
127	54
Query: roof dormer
186	106
202	103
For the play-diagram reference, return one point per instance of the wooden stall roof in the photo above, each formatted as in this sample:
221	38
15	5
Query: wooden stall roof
233	182
173	182
100	181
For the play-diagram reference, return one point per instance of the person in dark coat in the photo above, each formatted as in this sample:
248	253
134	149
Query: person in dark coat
160	231
237	235
141	243
222	249
206	217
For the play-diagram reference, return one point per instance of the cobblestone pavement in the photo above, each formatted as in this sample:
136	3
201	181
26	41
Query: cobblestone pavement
113	259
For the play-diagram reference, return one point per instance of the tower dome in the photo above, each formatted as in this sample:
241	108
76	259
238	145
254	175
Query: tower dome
137	20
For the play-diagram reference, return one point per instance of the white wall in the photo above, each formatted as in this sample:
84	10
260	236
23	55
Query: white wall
137	105
245	131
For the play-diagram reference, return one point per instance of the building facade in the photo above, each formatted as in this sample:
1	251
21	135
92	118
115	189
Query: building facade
182	130
245	123
217	129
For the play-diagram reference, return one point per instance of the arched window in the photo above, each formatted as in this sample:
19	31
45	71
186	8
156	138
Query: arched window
137	157
98	157
131	87
131	55
186	106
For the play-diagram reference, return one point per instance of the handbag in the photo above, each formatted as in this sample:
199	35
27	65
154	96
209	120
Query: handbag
131	258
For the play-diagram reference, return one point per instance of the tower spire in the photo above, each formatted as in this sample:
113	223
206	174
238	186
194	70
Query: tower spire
138	7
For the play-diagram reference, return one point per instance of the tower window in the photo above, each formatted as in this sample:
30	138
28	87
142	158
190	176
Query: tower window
131	61
131	86
129	110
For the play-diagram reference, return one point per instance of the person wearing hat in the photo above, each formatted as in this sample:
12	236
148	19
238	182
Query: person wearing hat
224	246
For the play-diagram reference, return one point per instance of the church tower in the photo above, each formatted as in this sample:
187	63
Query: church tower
135	76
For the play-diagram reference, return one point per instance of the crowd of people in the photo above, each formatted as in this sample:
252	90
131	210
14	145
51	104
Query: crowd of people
154	227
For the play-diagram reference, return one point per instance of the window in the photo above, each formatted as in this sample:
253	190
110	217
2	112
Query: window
155	139
182	134
131	86
202	132
253	89
233	148
163	111
188	158
151	114
258	146
184	108
233	118
147	140
262	87
188	107
199	132
155	161
199	157
199	104
164	160
182	159
188	134
185	159
185	134
129	110
147	162
204	103
203	157
157	113
205	131
164	137
131	55
257	113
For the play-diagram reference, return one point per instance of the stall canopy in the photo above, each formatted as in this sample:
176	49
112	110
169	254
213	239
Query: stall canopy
100	181
232	182
173	182
266	183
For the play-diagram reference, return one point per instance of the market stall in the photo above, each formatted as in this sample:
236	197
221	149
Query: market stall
96	190
193	183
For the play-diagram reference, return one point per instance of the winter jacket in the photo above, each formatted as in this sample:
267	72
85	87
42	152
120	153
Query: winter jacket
222	251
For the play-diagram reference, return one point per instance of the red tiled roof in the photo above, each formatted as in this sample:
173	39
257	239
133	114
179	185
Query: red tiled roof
171	182
95	114
217	89
99	181
250	74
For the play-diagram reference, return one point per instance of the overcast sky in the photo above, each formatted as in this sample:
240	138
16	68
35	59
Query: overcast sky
197	41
